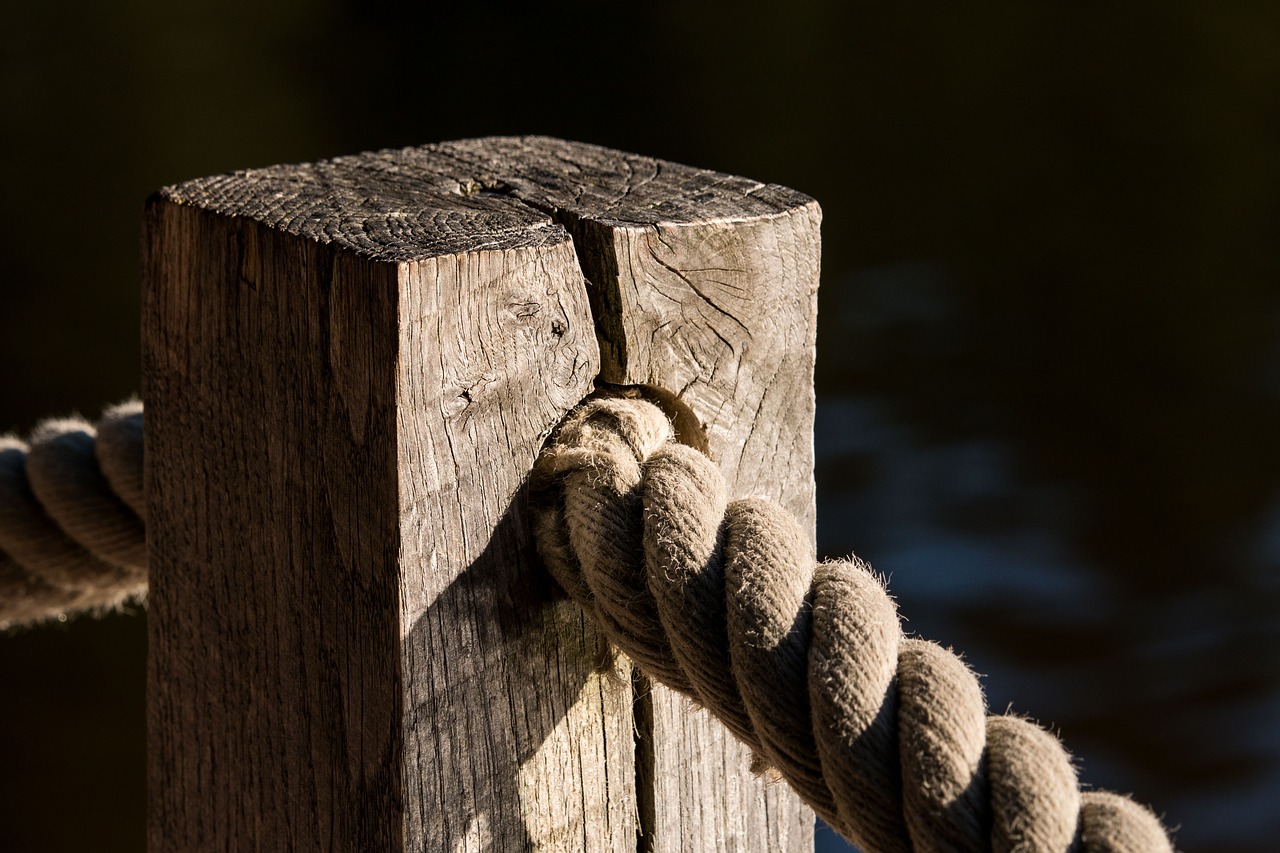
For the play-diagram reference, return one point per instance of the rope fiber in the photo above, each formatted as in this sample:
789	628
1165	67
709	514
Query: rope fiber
886	737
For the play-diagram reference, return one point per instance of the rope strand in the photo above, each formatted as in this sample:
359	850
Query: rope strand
72	536
886	737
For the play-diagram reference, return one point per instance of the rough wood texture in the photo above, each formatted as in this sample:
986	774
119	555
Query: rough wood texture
349	368
704	285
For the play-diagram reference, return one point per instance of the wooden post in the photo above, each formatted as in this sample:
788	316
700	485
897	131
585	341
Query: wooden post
349	369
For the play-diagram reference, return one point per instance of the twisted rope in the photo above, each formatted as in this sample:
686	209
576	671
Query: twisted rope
72	515
886	737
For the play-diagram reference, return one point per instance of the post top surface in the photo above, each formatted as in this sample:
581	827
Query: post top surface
491	193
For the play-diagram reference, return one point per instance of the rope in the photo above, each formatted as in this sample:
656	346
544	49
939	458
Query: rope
72	515
886	737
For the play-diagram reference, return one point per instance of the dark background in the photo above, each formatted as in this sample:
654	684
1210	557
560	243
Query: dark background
1049	356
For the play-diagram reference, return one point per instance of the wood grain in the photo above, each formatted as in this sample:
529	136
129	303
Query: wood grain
703	285
349	367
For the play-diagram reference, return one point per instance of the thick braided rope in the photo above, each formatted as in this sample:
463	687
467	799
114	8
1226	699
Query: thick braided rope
886	737
72	515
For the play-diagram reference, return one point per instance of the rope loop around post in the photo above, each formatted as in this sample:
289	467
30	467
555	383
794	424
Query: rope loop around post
886	737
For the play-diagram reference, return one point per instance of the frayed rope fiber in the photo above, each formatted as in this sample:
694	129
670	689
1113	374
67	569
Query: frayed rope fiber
72	515
886	737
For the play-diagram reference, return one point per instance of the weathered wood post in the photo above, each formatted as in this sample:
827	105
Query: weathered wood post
349	369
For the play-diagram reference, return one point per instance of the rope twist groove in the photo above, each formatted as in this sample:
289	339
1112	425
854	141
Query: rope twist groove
886	737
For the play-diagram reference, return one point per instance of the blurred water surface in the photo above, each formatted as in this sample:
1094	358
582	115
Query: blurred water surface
1153	649
1049	356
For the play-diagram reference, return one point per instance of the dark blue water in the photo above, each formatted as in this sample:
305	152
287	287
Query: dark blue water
1159	667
